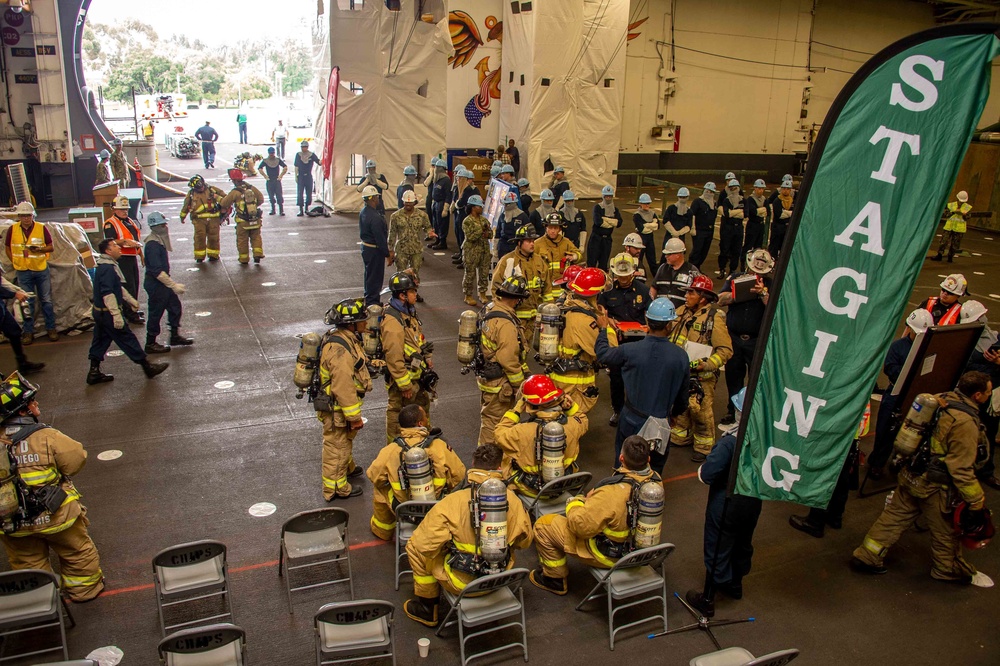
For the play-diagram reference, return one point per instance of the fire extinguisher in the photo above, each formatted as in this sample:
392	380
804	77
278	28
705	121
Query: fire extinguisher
139	180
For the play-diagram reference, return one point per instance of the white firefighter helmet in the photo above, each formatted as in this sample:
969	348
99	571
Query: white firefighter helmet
955	284
623	264
25	208
760	261
971	311
409	196
920	320
120	203
369	191
634	240
674	246
963	196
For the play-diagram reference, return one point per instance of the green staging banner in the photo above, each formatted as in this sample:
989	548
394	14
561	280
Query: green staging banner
881	170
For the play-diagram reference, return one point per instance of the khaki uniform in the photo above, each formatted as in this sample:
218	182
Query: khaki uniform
699	419
249	213
502	344
344	377
448	526
206	218
954	442
536	272
406	236
48	457
554	251
517	439
577	344
447	467
402	338
476	254
119	168
589	525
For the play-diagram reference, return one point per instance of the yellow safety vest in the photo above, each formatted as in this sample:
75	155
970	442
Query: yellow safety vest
23	258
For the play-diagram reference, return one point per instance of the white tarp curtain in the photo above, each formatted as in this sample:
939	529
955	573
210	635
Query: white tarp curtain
575	121
321	74
391	121
72	289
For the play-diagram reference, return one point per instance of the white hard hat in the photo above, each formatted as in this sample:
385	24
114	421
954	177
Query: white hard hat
683	192
623	264
963	196
409	196
972	311
920	320
369	191
25	208
674	246
634	240
120	203
955	284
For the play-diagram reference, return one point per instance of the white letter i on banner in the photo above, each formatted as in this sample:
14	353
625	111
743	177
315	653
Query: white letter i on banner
814	369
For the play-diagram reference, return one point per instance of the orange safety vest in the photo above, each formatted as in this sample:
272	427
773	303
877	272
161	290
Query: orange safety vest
124	233
23	258
948	318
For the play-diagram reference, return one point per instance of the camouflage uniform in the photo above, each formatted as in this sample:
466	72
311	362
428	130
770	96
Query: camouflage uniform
406	233
119	168
476	254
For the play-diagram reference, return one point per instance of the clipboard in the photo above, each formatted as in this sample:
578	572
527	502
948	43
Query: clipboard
632	329
741	287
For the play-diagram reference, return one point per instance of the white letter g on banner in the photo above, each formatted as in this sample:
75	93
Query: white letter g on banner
788	478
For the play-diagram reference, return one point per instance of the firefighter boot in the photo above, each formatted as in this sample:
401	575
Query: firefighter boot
422	610
153	369
95	376
547	583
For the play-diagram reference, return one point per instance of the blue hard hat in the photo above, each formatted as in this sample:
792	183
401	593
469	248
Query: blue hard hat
494	171
787	182
155	219
661	309
559	169
270	151
476	200
510	197
710	186
569	196
497	163
506	168
733	183
370	164
438	162
738	398
759	183
523	182
645	198
409	170
105	155
683	192
607	191
547	195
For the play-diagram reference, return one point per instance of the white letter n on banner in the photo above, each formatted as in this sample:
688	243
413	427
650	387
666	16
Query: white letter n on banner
803	420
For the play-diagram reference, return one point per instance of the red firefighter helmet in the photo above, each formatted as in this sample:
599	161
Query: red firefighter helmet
539	390
974	528
236	174
569	273
703	284
588	282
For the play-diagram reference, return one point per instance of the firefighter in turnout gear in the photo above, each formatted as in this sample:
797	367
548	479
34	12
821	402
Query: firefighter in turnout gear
940	473
462	538
389	472
247	202
574	370
699	321
343	382
599	529
556	249
409	376
503	349
522	434
204	204
39	506
534	269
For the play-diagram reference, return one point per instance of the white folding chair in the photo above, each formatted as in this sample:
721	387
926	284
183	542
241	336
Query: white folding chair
408	516
211	645
315	538
552	497
191	572
354	631
74	662
737	656
632	576
486	600
30	601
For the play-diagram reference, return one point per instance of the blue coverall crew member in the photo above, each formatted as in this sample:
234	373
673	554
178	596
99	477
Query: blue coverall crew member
704	209
273	169
512	219
647	222
525	200
576	221
303	163
408	185
376	180
10	328
440	195
917	321
559	183
375	250
733	207
656	373
626	301
756	219
606	218
109	320
208	136
728	544
781	214
161	290
678	217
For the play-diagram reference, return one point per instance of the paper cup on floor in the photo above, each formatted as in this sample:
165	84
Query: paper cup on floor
424	646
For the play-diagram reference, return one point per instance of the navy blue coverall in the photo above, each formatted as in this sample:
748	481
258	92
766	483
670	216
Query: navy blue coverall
106	281
160	297
374	251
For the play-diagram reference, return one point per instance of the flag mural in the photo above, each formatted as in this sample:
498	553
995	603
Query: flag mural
882	167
